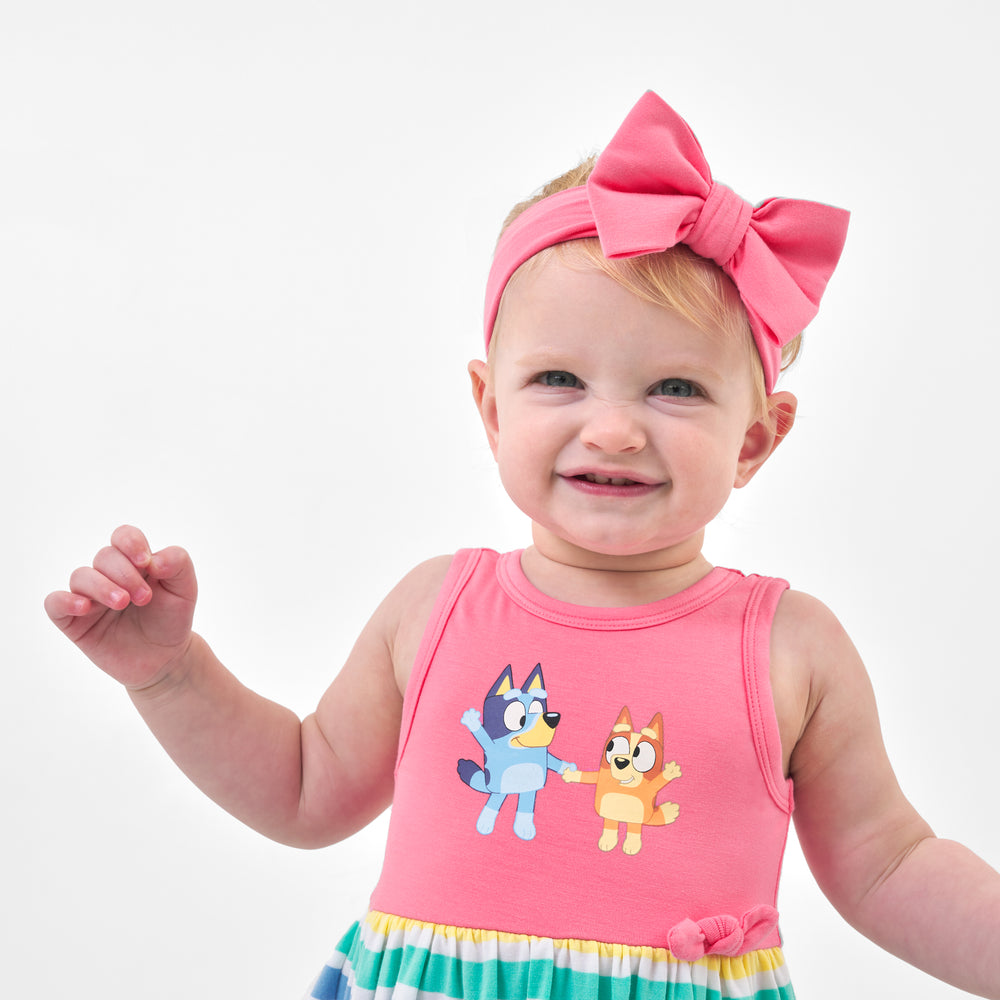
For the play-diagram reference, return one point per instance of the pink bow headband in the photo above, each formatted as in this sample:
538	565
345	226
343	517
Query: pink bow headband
650	189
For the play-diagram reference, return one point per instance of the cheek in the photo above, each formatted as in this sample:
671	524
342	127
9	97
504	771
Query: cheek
529	436
710	456
513	454
527	454
701	442
722	439
520	466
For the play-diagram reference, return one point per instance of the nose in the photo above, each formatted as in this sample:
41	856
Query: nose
614	428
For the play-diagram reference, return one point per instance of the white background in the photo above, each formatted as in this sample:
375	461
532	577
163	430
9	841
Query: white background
242	252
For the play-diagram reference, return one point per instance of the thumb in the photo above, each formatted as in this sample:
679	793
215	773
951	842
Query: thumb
173	570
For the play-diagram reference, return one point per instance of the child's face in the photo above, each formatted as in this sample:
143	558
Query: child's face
619	428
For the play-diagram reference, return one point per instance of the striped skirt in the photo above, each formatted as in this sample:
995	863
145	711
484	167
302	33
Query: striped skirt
386	956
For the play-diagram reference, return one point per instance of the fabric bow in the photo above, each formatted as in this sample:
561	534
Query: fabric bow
724	935
651	188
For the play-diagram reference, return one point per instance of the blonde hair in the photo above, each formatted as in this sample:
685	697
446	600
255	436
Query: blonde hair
677	279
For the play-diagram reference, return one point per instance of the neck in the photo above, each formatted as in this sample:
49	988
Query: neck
578	576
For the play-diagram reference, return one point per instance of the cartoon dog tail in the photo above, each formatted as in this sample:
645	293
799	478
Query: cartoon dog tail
472	774
664	814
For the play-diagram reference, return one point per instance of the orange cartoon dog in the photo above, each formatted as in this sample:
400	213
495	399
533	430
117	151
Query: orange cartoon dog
630	775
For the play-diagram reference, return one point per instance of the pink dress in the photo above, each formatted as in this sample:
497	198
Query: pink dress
589	802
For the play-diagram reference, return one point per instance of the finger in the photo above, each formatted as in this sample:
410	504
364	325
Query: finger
133	544
117	567
63	607
173	568
88	582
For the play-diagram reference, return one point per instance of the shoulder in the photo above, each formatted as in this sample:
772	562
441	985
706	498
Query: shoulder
806	632
417	589
429	574
403	615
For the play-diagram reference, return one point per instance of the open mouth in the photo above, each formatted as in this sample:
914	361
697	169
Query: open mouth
607	485
591	477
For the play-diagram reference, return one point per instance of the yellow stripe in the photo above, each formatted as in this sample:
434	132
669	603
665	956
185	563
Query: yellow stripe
739	967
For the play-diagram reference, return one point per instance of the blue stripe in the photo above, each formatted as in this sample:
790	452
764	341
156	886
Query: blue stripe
493	979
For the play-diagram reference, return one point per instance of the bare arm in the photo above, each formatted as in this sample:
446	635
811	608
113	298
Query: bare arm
931	902
306	783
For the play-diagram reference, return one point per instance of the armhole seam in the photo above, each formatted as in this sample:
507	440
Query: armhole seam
758	617
463	565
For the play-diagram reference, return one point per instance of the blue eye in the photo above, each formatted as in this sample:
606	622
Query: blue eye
677	388
558	380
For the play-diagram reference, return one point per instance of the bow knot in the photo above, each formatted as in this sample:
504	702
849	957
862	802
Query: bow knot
721	225
721	935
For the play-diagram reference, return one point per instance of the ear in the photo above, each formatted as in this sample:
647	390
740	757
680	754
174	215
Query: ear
624	722
535	681
655	728
505	682
486	402
764	435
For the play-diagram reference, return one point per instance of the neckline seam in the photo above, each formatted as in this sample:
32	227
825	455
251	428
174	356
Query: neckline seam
519	589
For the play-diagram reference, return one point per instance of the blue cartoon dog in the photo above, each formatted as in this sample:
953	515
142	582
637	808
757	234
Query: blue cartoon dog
515	731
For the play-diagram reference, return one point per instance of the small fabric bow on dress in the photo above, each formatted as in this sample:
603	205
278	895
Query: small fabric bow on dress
651	189
724	935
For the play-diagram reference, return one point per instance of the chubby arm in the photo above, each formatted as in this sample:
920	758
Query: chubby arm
306	783
929	901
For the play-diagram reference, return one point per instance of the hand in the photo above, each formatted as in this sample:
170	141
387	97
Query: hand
472	720
671	771
130	612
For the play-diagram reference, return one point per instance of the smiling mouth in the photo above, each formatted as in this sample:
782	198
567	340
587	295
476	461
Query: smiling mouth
595	484
590	477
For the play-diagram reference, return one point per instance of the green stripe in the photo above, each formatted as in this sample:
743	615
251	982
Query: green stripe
501	980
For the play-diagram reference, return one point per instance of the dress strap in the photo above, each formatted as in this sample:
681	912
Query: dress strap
463	565
760	609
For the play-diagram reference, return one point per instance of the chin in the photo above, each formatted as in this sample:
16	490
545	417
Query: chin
610	549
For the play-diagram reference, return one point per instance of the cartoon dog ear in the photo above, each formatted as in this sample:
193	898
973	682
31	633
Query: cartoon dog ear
535	679
504	683
655	728
624	723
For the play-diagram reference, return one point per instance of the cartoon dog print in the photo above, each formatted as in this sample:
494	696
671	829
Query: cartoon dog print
629	777
515	731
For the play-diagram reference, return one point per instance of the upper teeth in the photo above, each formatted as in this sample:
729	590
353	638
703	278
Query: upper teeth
604	480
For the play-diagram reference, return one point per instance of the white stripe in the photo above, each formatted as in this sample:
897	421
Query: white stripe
621	963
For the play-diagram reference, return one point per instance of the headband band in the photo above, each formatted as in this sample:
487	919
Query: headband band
651	189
